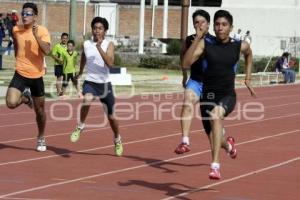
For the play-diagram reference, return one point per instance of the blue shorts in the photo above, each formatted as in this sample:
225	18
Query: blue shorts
196	86
103	91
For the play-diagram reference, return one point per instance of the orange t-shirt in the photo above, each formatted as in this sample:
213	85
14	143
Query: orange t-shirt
30	58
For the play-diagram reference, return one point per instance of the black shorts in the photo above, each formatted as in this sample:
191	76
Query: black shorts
226	101
36	85
103	91
58	70
68	77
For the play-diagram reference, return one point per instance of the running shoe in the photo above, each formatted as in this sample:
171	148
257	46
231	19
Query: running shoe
182	148
118	148
214	174
75	135
233	152
41	144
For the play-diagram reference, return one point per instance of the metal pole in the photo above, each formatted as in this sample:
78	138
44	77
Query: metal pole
153	18
84	17
142	20
184	18
72	20
165	25
44	13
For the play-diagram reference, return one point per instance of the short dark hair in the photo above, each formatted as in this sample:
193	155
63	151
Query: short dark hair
285	54
225	14
101	20
202	13
64	34
71	42
32	6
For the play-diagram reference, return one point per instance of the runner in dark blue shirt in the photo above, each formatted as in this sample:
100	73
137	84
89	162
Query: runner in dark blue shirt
221	55
193	87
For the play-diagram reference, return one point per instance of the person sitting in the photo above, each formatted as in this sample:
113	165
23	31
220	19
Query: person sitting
282	65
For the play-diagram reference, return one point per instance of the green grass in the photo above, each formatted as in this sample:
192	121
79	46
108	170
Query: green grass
144	80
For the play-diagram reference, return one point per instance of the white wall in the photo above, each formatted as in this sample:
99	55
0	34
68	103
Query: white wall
269	22
109	12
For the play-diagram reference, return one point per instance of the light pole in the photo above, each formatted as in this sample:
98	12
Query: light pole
185	4
165	25
84	17
72	19
154	4
142	20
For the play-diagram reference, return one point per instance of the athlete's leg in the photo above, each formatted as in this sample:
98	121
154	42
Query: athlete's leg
217	115
39	108
14	98
190	99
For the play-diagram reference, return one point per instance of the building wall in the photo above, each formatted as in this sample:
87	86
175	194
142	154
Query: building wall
57	18
269	21
129	21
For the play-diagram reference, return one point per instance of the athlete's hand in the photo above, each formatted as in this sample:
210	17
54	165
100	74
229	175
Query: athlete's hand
200	32
78	76
251	90
35	29
99	41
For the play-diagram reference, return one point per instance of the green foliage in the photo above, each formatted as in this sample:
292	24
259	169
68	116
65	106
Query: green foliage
159	62
174	47
258	65
118	60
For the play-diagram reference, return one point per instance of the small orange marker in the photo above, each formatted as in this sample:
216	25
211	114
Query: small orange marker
165	78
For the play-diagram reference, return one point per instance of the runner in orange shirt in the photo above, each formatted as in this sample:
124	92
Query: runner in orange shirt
31	44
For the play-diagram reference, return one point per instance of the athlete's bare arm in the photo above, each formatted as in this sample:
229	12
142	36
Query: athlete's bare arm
82	64
45	46
195	50
109	56
247	52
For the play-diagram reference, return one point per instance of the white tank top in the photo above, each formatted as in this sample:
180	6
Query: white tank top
97	71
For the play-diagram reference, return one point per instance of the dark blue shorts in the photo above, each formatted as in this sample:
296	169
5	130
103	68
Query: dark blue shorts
103	91
68	77
58	70
36	85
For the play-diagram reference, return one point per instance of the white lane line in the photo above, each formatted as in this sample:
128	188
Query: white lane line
128	125
131	142
135	167
54	121
175	93
234	178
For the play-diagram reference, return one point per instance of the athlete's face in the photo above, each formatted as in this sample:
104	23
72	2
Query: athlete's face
201	22
98	30
222	28
28	16
64	39
70	47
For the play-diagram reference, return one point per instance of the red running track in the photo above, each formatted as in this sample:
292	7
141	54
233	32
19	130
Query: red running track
267	166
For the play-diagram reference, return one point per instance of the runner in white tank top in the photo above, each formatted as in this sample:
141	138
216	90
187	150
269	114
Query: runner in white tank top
97	70
98	57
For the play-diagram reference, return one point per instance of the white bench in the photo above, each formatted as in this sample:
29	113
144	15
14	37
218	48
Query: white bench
264	78
270	77
119	76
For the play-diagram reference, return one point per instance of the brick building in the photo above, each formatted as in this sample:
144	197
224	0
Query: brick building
55	15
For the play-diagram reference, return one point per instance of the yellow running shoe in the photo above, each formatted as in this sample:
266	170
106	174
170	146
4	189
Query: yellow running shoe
75	135
118	148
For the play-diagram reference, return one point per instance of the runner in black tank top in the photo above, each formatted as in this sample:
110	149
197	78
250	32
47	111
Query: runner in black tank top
221	54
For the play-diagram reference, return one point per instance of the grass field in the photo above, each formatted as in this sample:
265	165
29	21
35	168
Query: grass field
144	80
